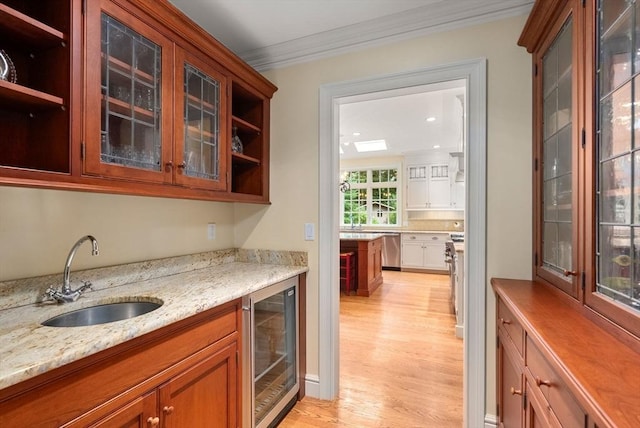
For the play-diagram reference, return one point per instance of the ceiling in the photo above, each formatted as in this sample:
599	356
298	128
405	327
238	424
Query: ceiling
273	33
269	34
412	121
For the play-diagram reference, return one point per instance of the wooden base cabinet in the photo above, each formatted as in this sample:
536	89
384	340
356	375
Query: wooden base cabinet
570	371
184	375
424	251
199	397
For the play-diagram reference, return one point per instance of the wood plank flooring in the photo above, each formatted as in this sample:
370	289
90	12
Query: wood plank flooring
400	362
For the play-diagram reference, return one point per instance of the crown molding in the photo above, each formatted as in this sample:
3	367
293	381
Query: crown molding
439	17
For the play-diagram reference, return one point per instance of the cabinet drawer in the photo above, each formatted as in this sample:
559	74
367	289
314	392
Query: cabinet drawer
544	379
511	326
425	237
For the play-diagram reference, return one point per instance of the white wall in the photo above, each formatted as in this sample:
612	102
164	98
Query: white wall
294	150
38	228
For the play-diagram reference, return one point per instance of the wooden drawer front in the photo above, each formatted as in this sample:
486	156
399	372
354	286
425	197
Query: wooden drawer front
511	326
544	379
425	237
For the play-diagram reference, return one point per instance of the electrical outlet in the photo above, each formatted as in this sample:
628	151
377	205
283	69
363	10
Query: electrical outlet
211	231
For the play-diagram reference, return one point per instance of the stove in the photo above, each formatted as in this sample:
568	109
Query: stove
457	236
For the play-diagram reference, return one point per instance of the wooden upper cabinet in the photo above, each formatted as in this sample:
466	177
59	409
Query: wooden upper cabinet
249	143
129	96
557	146
586	62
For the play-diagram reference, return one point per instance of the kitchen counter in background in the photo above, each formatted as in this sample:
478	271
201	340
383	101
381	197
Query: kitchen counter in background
187	285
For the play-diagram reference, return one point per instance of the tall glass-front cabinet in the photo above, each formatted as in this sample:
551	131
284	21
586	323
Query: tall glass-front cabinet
586	59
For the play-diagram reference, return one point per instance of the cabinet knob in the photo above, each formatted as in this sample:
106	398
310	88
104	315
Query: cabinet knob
182	165
541	382
515	391
153	422
504	321
168	410
570	273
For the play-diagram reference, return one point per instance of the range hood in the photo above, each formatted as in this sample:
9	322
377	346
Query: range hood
458	165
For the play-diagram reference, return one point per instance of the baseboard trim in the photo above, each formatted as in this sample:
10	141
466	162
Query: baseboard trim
312	386
490	421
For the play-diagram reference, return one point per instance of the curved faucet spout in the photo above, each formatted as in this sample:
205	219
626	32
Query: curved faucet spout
66	287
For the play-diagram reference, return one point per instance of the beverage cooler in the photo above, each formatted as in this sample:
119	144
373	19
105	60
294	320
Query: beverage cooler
270	347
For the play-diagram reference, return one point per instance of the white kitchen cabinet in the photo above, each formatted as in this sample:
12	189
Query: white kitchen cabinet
428	187
424	251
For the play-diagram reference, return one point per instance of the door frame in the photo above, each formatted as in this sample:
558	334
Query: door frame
474	71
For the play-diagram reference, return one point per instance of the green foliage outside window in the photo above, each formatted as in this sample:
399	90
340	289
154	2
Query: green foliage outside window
372	198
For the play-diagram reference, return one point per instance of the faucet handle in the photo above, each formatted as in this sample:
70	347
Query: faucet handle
50	294
86	285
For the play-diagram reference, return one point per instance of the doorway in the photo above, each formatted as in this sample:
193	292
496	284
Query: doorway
331	96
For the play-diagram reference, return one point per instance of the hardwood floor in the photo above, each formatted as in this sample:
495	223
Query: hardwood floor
400	362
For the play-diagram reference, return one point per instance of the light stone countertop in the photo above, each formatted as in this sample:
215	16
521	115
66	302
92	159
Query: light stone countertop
27	348
360	236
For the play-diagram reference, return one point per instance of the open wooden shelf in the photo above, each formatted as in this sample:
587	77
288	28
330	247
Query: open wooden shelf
242	158
29	30
244	125
22	98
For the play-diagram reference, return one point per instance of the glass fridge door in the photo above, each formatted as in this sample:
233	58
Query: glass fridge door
274	336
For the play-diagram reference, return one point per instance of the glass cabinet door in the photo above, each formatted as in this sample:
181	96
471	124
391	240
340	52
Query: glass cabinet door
200	135
617	161
131	78
127	128
556	146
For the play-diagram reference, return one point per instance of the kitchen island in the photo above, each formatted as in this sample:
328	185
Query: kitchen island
368	250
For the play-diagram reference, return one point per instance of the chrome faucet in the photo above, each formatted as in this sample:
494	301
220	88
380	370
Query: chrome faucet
67	294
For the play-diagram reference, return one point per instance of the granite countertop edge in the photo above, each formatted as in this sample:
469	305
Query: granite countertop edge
28	348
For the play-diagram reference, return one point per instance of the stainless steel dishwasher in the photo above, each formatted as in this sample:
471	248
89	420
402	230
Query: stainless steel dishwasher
391	251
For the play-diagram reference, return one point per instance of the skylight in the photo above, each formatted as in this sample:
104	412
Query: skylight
370	146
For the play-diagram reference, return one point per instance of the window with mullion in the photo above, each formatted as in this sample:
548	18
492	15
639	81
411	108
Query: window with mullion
371	197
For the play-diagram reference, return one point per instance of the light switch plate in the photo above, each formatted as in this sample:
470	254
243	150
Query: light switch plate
309	232
211	231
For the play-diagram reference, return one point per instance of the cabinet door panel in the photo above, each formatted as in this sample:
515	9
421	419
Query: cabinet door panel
412	254
557	148
133	415
204	396
200	153
434	256
510	384
128	100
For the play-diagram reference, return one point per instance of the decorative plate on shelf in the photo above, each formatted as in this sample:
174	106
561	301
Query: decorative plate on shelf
7	69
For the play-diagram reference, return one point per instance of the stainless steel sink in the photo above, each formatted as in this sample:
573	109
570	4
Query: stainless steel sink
102	314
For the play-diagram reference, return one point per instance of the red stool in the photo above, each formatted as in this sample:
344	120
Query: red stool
347	271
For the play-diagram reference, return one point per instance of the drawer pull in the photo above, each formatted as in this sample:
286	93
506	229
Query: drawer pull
168	410
515	391
153	422
504	321
541	382
570	273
